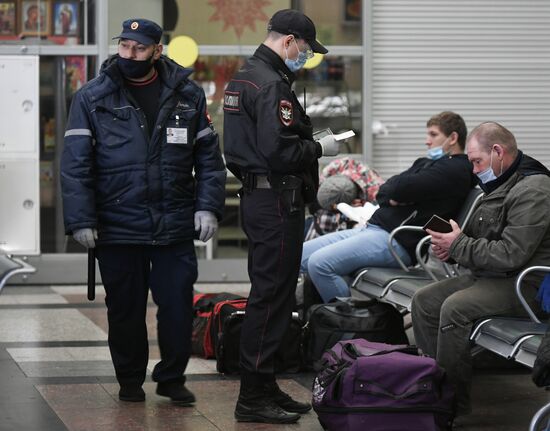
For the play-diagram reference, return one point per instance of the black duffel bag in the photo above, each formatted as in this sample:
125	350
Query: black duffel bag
288	358
347	319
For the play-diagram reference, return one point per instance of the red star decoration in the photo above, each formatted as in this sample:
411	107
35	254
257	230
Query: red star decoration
239	14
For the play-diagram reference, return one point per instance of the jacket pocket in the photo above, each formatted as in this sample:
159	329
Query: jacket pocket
488	223
114	126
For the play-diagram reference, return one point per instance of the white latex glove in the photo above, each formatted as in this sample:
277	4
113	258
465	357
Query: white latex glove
206	224
330	146
86	237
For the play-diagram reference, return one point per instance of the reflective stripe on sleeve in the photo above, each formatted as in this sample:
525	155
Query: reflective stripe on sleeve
78	132
204	132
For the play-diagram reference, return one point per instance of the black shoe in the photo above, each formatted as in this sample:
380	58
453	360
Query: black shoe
176	391
263	409
131	393
285	401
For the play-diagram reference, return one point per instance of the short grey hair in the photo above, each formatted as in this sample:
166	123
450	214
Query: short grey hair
491	133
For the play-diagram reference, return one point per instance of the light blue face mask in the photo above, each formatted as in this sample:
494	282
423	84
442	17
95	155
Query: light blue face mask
435	153
298	63
488	174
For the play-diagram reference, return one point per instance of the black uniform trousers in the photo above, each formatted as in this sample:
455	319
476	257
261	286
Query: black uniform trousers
275	240
127	272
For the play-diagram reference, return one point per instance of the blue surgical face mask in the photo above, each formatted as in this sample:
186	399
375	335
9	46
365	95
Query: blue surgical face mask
435	153
296	64
488	174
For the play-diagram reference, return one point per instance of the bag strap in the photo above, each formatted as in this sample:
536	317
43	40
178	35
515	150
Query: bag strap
346	304
355	351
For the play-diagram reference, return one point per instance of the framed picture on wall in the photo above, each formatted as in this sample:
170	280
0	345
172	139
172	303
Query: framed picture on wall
352	11
8	18
66	16
34	18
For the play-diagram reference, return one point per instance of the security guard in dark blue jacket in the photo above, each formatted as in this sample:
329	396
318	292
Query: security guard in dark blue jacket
269	146
141	171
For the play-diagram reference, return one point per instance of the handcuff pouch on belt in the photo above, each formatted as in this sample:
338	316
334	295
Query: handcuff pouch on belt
249	181
289	188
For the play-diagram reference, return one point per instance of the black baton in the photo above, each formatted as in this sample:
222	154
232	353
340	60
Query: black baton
91	274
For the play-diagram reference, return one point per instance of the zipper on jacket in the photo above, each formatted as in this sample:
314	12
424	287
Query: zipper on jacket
142	119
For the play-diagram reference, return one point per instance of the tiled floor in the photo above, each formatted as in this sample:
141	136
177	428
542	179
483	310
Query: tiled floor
56	374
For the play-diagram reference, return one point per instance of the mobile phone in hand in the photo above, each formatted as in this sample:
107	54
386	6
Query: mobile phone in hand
438	224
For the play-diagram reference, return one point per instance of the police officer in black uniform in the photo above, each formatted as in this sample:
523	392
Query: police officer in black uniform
269	146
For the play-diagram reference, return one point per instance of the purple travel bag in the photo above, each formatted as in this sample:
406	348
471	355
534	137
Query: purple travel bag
381	387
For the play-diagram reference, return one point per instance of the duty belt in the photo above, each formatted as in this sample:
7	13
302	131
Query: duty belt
262	182
255	181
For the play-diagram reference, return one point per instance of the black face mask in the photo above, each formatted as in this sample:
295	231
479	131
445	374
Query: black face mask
134	69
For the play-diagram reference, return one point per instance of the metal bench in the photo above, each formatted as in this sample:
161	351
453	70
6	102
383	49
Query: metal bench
516	339
10	266
527	352
394	285
505	336
402	291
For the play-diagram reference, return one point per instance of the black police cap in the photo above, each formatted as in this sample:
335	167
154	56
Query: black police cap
141	30
290	21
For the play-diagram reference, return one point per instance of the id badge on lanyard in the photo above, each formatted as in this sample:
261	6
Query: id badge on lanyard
176	135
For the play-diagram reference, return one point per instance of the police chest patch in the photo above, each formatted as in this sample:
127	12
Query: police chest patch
285	112
231	101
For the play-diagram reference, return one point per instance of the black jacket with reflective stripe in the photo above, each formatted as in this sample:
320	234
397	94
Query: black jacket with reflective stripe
132	188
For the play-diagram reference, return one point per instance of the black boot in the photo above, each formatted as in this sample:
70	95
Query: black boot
176	391
254	405
132	393
285	401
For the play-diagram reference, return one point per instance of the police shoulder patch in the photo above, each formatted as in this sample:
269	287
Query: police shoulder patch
232	101
285	112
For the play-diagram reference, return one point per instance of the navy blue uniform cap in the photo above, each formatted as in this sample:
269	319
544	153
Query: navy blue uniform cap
141	30
290	21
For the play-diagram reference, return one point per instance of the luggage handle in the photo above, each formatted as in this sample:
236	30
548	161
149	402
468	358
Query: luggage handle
345	304
361	351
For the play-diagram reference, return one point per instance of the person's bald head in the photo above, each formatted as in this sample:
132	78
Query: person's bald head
491	144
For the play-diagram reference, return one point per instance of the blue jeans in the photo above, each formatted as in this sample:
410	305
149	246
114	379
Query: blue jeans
330	257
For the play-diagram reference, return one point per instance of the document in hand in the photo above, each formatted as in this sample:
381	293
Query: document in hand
339	137
359	214
438	224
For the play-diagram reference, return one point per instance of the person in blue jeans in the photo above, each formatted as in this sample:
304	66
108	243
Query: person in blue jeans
436	184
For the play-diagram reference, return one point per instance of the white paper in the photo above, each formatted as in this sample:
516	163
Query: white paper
344	135
361	215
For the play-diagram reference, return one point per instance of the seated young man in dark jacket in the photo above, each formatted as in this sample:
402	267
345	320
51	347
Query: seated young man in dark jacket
436	184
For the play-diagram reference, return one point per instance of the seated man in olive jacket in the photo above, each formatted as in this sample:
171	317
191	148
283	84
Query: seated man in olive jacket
508	231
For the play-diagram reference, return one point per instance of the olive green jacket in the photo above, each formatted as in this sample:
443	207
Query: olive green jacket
509	229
